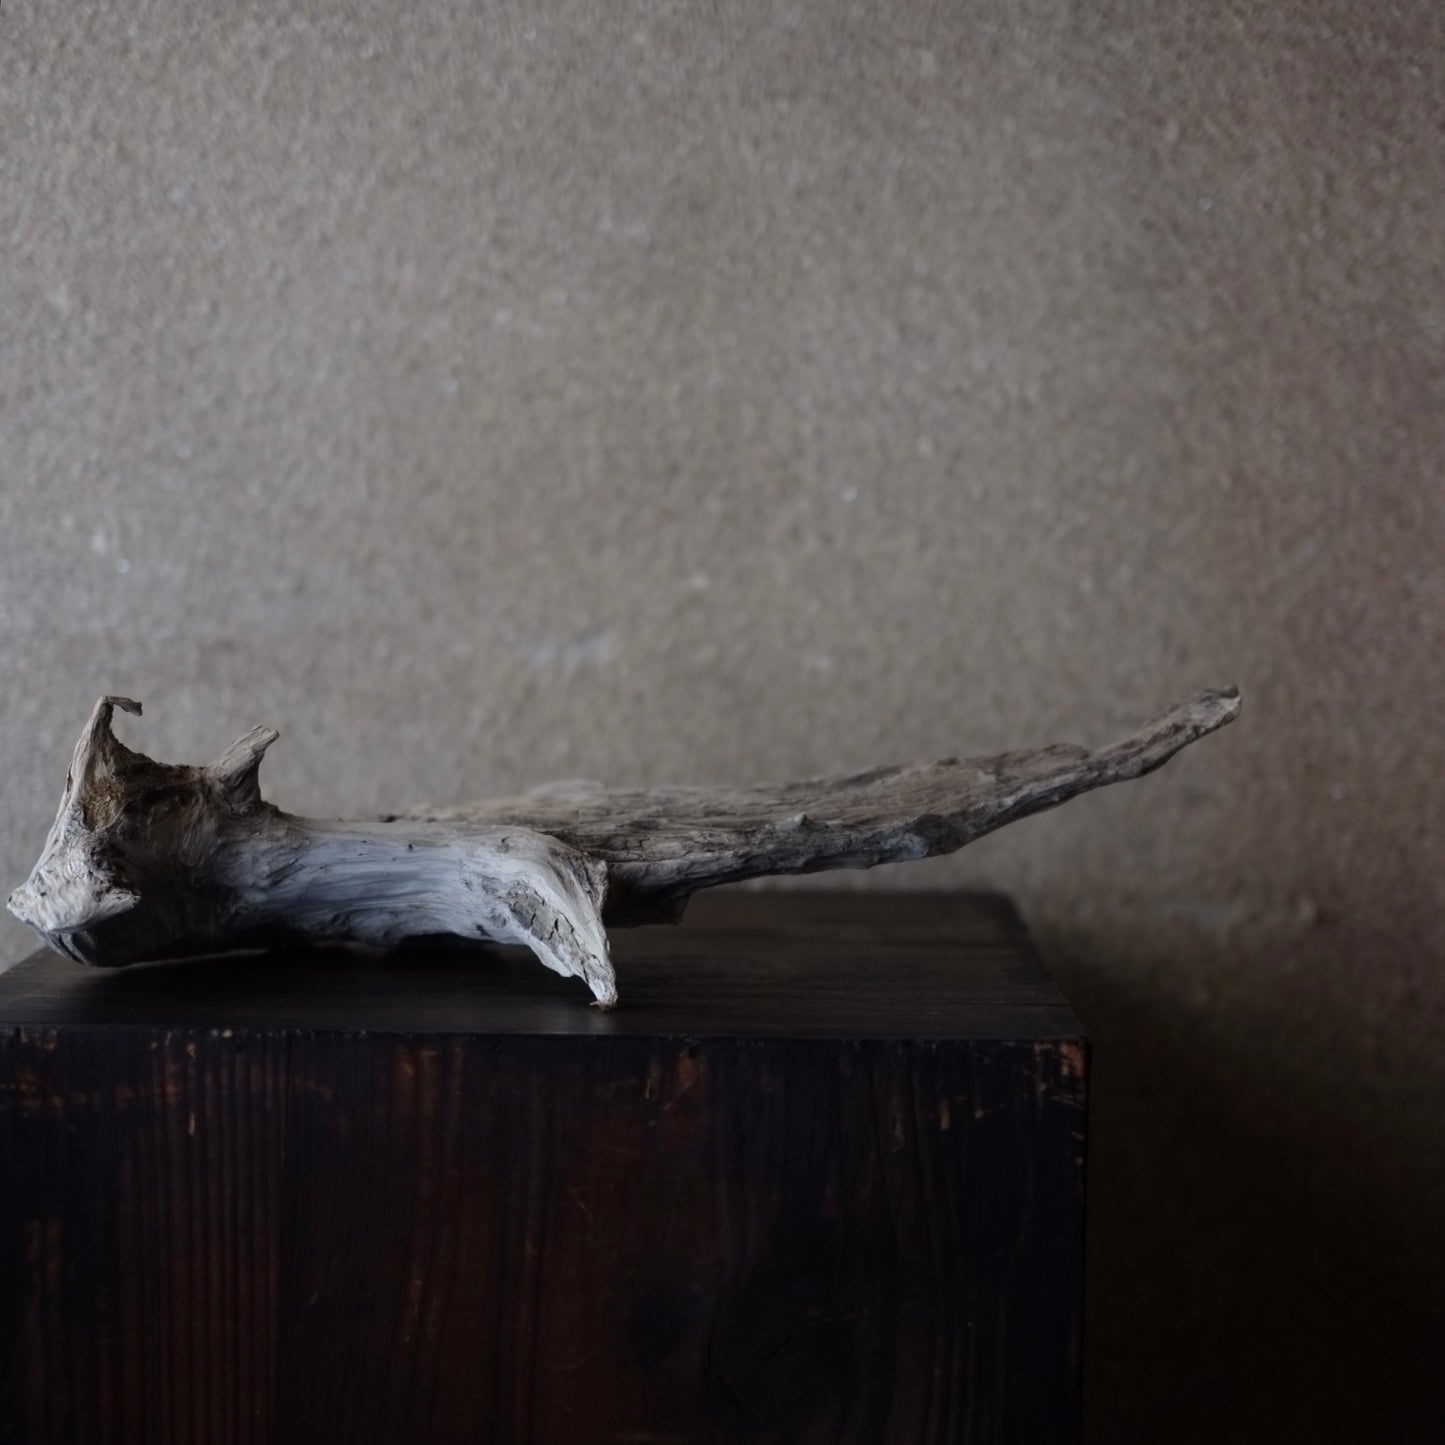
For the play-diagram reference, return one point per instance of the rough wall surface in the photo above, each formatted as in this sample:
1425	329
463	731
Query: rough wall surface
489	393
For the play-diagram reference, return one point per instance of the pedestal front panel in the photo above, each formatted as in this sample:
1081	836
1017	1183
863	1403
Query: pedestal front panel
437	1198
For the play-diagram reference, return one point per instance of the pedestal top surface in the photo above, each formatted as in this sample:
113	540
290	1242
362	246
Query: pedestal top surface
742	964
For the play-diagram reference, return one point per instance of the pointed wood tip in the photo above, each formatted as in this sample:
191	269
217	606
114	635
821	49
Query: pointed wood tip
1207	710
1157	741
1221	703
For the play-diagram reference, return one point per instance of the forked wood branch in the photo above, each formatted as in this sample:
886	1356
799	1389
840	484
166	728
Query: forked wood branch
152	860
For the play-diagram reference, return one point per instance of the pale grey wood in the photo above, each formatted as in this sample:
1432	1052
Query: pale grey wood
152	860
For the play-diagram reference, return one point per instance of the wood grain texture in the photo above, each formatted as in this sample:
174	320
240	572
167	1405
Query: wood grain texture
322	1230
151	860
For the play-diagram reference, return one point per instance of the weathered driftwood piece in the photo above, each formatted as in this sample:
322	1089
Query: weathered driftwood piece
151	860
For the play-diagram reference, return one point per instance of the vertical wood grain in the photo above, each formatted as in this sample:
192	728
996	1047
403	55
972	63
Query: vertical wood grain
214	1237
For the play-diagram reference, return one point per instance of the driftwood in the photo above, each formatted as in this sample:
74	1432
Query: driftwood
151	860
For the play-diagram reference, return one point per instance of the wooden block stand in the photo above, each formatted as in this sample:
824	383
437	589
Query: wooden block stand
820	1178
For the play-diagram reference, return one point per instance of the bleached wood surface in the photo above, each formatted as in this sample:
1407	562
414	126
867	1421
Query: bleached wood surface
151	860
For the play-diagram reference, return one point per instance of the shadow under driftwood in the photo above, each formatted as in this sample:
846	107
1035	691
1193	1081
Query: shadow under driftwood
1265	1216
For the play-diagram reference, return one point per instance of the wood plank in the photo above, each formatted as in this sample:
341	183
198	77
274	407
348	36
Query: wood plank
253	1232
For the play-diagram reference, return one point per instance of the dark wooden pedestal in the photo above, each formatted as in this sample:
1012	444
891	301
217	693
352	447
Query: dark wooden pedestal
820	1178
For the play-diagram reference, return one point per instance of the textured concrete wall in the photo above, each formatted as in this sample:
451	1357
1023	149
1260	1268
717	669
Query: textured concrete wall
488	393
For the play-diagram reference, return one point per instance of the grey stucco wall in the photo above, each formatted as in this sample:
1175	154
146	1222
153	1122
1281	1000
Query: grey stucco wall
483	394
